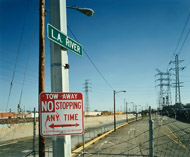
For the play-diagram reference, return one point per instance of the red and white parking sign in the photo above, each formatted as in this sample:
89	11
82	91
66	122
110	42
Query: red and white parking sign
61	114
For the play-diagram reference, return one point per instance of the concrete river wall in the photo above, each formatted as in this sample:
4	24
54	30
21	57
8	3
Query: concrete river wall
23	130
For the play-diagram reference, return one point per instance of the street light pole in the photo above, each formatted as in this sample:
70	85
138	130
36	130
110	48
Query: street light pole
60	66
114	92
134	109
114	111
59	70
126	112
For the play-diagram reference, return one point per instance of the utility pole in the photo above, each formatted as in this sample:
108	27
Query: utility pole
60	66
59	70
41	68
86	87
177	82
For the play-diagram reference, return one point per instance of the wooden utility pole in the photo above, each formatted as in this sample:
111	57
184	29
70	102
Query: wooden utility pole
41	68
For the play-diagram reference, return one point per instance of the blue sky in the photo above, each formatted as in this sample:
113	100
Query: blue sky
126	39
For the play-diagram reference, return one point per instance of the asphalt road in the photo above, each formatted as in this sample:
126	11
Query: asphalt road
22	147
171	139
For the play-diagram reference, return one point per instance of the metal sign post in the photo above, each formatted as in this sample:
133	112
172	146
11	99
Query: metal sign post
59	72
60	42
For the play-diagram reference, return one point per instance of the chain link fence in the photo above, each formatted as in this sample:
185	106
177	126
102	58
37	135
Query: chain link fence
164	138
167	137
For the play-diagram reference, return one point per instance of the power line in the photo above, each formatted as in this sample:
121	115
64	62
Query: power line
184	41
182	32
187	64
180	38
26	68
92	62
11	85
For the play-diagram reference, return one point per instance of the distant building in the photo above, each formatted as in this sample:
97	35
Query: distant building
119	113
6	115
92	113
37	115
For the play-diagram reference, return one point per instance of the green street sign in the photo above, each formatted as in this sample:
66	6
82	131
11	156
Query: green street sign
58	37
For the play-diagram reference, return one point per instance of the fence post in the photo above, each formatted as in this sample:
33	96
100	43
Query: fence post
136	112
83	142
127	112
34	133
151	134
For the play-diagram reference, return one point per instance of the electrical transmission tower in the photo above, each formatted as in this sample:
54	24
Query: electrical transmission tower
86	87
165	90
177	84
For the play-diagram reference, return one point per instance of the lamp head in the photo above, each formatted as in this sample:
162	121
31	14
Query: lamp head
85	11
